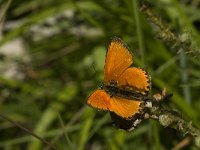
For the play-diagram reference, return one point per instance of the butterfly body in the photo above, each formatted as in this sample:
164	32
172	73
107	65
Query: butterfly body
125	88
112	89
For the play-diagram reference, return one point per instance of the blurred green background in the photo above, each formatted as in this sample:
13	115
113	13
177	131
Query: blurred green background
52	56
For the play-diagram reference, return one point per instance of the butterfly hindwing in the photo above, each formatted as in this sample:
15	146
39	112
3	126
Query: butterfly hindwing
125	124
135	79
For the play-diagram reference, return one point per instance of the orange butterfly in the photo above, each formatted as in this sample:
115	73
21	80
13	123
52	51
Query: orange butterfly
124	86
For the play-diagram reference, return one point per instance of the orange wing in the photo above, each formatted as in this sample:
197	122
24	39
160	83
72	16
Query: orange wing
125	108
99	99
120	106
135	79
118	59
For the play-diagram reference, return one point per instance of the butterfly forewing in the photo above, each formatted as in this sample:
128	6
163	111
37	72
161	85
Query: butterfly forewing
118	59
120	106
124	107
99	99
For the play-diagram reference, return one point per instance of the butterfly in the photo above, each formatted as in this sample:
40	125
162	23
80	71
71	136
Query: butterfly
124	87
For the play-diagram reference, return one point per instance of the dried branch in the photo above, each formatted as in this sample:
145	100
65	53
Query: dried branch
169	118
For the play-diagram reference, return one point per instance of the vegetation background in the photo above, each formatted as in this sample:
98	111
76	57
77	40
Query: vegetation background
52	56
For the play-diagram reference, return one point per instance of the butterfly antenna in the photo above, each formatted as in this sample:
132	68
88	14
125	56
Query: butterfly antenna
28	131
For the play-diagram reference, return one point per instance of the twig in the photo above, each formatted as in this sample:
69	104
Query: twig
28	131
186	141
183	41
71	122
169	118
